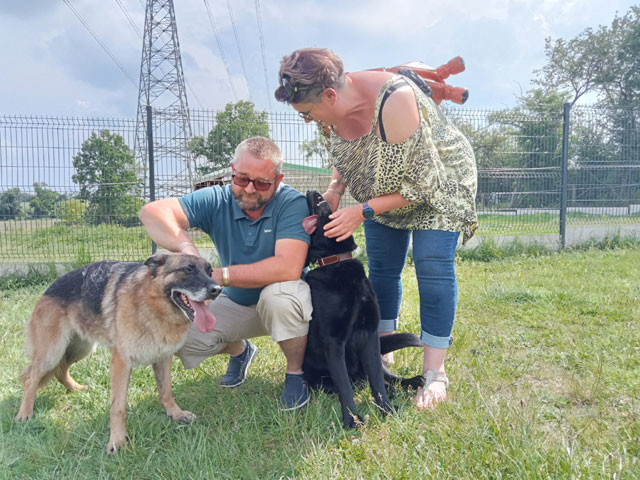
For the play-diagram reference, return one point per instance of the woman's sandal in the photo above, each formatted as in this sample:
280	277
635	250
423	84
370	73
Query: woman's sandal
431	376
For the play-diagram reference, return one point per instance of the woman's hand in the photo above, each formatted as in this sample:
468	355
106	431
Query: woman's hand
344	222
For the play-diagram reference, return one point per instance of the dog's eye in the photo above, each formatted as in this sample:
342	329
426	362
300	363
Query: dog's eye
190	268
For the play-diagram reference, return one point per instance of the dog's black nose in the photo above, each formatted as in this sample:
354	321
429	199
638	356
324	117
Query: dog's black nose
214	290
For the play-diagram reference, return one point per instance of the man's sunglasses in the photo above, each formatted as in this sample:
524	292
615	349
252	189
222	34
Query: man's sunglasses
293	91
260	185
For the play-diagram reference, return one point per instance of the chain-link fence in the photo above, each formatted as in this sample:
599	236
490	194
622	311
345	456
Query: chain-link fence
70	188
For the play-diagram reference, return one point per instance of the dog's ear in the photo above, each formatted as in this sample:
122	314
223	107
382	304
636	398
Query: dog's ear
156	261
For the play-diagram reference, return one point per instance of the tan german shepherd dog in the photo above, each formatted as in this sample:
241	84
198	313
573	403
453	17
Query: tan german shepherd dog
140	311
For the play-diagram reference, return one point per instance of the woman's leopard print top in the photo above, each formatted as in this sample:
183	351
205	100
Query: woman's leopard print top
435	168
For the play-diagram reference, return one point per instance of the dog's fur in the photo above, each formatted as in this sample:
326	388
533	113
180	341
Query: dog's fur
140	312
343	345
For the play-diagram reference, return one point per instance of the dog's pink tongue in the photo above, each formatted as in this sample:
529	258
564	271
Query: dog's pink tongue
204	319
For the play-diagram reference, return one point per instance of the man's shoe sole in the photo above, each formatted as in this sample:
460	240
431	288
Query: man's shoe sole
297	405
244	374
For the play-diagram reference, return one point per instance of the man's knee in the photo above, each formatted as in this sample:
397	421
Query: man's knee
285	309
199	346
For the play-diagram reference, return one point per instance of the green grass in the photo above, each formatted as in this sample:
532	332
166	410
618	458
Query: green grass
545	384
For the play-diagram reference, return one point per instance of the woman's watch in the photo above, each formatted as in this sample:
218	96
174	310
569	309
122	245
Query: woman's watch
367	211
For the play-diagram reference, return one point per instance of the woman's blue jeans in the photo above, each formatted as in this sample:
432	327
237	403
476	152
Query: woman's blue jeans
433	257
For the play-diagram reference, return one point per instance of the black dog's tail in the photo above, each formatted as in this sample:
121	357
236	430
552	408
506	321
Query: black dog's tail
396	341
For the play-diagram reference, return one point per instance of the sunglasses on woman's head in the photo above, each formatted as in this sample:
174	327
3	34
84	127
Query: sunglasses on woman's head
260	185
292	91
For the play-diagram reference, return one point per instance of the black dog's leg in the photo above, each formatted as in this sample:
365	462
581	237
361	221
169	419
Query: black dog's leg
396	341
342	384
372	365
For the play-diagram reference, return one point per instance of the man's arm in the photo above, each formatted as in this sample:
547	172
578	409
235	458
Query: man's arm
167	224
286	265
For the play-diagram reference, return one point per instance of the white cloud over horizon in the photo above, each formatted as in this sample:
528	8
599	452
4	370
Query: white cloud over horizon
55	67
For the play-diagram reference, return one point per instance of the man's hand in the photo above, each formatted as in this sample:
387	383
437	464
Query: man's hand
189	249
344	222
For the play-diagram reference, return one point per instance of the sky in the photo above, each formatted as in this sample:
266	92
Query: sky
53	66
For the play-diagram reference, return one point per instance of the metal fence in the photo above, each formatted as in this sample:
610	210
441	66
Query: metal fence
70	188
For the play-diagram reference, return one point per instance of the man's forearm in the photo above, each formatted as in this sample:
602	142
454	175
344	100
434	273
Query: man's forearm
259	274
286	265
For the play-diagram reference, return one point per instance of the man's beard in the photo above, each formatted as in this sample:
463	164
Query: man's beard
249	205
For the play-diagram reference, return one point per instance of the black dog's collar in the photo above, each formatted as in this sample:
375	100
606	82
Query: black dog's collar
331	259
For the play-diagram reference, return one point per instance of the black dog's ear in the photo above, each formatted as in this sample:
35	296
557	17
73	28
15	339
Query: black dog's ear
156	261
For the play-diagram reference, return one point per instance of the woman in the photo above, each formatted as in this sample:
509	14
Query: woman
415	176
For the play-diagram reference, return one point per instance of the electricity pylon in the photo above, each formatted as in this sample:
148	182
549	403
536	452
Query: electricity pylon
162	87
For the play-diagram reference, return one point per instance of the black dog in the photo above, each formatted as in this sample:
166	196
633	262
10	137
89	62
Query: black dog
343	345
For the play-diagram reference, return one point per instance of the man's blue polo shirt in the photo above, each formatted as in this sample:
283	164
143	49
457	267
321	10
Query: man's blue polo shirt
240	240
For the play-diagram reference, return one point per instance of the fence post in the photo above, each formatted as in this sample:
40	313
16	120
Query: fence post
565	174
152	173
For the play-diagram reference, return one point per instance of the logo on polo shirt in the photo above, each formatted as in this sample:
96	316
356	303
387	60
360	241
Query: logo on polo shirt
267	230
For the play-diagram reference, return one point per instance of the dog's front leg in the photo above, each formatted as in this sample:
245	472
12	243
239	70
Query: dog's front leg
120	375
340	376
162	371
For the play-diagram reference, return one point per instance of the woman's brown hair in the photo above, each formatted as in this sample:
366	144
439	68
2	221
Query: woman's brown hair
306	73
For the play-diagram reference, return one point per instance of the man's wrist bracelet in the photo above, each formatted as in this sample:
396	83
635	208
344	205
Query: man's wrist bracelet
225	276
335	190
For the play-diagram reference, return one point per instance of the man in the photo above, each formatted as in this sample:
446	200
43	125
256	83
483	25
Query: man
256	226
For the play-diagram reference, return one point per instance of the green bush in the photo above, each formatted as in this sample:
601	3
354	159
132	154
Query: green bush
72	211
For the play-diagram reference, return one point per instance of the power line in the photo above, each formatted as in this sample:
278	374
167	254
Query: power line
235	34
126	14
264	58
97	39
224	59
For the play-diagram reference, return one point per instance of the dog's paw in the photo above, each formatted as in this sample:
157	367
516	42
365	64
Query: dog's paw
182	416
77	388
389	408
23	417
116	442
353	421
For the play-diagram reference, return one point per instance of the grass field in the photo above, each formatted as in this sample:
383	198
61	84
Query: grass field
545	384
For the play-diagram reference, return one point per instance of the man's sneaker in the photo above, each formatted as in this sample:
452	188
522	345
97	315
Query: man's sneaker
296	391
238	365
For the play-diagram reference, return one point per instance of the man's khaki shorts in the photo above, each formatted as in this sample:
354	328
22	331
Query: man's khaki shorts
283	311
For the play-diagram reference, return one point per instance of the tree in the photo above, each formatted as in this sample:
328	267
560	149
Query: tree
237	122
105	172
44	201
71	211
10	204
535	131
605	61
315	148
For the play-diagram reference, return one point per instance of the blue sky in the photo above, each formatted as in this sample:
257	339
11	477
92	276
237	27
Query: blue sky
53	66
